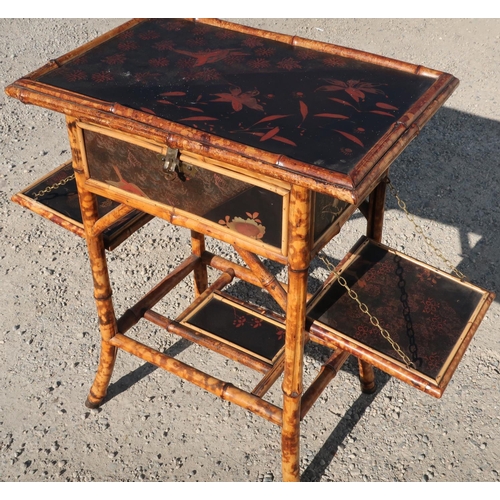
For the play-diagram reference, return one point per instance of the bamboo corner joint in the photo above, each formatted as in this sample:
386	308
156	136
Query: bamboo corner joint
272	163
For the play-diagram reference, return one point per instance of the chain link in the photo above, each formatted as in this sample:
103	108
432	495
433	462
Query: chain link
364	309
420	231
56	185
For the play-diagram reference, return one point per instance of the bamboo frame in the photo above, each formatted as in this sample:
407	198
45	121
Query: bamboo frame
266	278
327	373
223	390
100	275
270	377
133	315
298	266
200	271
106	221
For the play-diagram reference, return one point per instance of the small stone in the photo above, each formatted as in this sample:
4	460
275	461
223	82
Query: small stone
268	477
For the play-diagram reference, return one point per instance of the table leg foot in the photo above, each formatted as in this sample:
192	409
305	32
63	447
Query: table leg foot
366	377
89	403
103	376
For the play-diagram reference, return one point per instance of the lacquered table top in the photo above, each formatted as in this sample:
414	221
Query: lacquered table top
309	113
311	106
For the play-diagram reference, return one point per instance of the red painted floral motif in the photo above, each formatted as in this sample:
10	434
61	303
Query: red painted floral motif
125	35
201	30
149	35
289	63
305	55
207	75
159	62
164	45
225	34
430	306
126	186
250	227
128	45
264	52
362	332
102	77
256	322
235	59
185	63
211	56
354	88
426	275
76	75
239	319
259	63
115	59
333	62
238	99
172	26
252	42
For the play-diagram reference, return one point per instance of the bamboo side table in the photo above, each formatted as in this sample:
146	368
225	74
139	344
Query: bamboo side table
269	143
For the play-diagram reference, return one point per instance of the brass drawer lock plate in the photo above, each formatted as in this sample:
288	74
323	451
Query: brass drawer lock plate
172	166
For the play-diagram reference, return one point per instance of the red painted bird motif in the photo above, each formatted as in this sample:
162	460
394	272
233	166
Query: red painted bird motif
126	186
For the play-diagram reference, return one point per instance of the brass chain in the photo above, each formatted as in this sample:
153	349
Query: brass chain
364	309
362	306
48	189
420	231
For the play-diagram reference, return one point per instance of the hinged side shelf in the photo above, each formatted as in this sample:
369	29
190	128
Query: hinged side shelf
55	197
430	314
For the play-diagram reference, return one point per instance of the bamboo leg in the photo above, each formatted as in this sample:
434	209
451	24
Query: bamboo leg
102	286
375	219
375	222
298	267
200	270
266	278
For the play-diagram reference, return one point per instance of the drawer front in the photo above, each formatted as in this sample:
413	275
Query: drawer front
222	197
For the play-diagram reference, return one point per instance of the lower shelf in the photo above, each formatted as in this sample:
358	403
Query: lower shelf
55	197
232	323
431	315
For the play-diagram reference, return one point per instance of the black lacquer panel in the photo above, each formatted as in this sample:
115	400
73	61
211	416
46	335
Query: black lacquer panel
311	106
249	210
425	312
239	327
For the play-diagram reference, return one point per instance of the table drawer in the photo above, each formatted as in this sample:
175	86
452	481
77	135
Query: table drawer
221	195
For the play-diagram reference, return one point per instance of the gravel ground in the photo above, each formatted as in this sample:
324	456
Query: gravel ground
155	427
